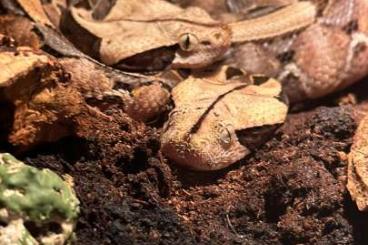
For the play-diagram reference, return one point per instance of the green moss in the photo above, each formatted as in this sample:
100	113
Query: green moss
38	194
26	238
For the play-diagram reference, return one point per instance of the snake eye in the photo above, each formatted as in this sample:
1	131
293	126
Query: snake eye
225	137
188	42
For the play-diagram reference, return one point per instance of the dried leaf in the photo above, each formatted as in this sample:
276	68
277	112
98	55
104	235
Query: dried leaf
28	81
202	131
13	66
54	41
35	10
48	97
134	27
245	6
214	7
236	9
53	10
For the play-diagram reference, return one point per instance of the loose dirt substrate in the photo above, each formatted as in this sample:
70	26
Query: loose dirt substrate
292	190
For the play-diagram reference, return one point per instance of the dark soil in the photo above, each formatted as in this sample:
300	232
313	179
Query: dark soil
290	191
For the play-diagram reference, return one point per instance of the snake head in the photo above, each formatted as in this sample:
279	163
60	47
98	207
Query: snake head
217	121
201	49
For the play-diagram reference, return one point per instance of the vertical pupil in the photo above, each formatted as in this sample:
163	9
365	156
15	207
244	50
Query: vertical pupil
187	42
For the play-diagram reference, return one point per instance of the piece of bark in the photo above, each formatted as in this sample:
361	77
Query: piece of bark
20	29
358	166
49	97
28	80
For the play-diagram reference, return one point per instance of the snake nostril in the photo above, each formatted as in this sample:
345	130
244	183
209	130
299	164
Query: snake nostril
217	35
206	43
360	47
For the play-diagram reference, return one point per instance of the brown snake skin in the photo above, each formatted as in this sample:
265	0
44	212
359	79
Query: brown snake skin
216	120
313	48
328	55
